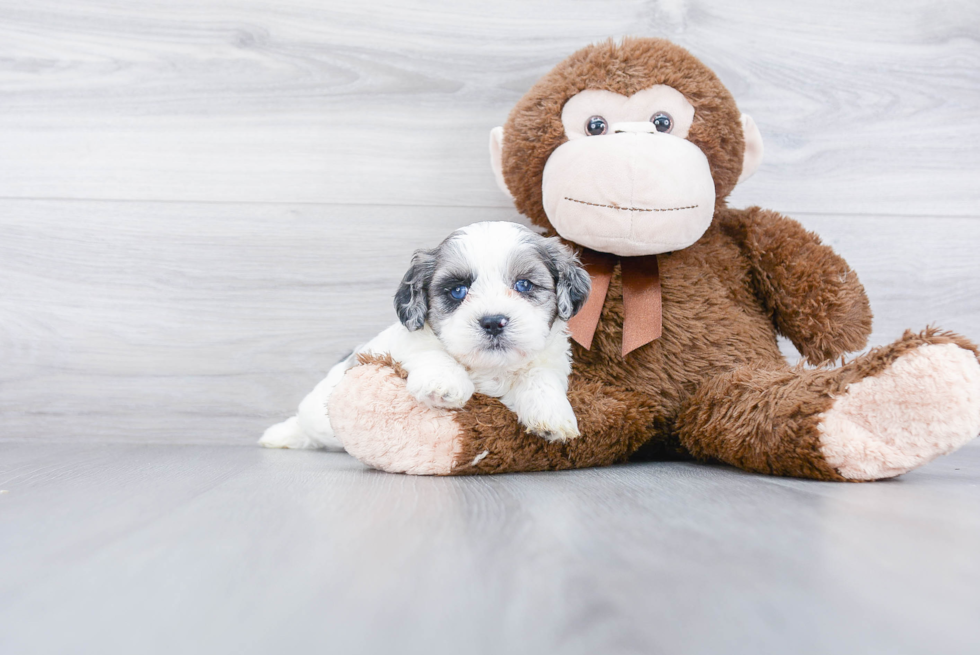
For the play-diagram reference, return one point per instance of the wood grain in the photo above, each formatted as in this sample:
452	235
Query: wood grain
205	203
869	108
322	142
204	323
163	549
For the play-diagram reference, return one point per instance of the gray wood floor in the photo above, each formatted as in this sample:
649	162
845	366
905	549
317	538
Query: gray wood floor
205	203
213	549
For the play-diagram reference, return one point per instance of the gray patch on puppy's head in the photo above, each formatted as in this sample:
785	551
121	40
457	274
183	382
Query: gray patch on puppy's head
451	268
530	261
572	283
416	298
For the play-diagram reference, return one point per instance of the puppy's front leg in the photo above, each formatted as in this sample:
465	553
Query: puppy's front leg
434	377
540	400
443	384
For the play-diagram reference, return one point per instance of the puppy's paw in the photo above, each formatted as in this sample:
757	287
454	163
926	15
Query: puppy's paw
445	387
554	420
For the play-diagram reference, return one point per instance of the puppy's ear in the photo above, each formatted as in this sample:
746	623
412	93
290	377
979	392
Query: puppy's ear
412	297
572	283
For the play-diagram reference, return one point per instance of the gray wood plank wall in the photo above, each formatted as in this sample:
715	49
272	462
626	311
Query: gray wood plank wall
204	203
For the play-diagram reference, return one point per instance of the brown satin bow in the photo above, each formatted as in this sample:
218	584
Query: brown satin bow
642	308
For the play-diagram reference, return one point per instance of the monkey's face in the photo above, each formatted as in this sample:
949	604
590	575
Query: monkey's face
626	148
627	181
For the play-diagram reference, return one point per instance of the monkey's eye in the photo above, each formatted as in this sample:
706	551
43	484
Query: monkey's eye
662	121
458	292
596	126
523	286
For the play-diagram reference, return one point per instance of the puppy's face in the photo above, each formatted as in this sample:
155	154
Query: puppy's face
492	292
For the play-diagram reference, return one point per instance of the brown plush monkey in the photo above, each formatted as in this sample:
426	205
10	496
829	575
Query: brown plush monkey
628	152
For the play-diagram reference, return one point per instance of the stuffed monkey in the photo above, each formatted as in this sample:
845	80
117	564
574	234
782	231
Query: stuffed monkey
628	152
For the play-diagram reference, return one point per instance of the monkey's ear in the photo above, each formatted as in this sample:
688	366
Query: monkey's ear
497	159
412	297
753	148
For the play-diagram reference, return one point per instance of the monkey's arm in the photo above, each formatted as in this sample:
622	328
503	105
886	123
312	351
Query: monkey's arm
382	425
613	424
813	296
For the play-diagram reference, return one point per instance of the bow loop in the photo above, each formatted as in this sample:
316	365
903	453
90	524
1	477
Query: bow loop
642	302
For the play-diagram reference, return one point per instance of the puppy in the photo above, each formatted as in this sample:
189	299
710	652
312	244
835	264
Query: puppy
485	311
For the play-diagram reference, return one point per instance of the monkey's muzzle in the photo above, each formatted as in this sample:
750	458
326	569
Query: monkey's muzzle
629	193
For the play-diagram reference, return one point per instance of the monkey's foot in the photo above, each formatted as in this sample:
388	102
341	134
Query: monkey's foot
384	426
925	404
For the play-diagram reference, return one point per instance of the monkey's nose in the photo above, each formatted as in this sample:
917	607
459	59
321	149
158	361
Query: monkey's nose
639	126
494	325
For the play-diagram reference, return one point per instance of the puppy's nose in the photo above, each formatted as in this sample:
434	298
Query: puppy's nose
494	325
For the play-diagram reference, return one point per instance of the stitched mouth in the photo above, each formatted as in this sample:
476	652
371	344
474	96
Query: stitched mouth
631	209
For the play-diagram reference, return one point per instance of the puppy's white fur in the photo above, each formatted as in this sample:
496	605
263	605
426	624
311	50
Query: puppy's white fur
446	352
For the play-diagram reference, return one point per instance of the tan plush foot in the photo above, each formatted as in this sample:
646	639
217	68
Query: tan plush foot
384	426
926	404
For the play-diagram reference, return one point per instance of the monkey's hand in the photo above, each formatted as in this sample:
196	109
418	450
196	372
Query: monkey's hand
813	296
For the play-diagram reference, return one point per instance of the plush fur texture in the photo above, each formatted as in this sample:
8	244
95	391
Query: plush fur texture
714	385
534	128
377	438
877	429
711	295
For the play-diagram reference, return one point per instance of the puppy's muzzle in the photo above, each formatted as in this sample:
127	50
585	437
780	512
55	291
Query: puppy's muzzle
495	324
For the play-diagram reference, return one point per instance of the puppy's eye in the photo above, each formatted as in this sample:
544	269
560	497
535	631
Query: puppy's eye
458	292
662	121
523	286
595	126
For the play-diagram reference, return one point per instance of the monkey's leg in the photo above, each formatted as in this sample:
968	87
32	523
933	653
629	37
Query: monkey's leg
881	415
382	425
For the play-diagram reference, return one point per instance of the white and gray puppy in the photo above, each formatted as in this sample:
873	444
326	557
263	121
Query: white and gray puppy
485	311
